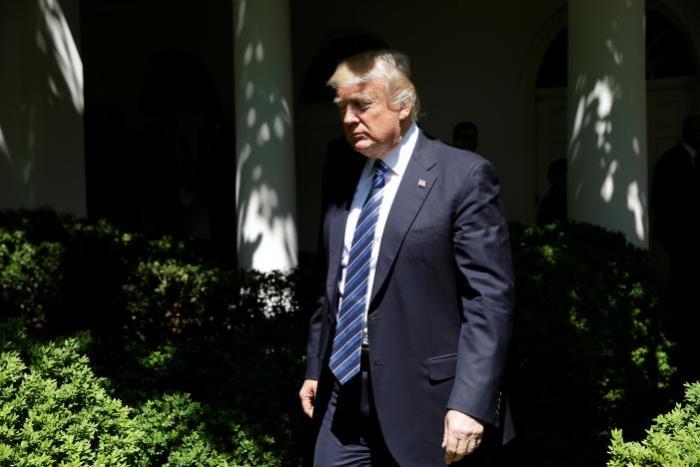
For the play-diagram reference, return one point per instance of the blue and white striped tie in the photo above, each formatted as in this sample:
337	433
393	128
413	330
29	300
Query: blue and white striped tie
347	344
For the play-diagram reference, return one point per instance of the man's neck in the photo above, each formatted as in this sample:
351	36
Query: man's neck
405	126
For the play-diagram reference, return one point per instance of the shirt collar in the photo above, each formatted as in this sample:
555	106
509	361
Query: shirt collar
398	158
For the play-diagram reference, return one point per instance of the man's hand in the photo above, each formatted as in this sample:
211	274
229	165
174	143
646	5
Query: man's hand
307	394
462	435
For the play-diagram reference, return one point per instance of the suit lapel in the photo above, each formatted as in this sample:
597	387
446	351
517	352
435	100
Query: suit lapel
415	185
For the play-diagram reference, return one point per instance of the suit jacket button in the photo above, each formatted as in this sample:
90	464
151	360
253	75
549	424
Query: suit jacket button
378	361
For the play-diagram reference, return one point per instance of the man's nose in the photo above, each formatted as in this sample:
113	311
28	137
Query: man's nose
349	116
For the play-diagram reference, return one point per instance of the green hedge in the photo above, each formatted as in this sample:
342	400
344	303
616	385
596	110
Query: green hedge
68	275
672	441
167	318
30	275
55	411
588	352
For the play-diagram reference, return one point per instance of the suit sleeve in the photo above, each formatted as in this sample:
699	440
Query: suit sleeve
313	361
316	321
485	276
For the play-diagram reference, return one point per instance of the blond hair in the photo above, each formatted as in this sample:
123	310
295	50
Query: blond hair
392	67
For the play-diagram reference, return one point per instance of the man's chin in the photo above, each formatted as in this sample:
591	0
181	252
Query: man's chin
363	148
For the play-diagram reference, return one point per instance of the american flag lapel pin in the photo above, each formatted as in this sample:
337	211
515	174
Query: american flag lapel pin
422	183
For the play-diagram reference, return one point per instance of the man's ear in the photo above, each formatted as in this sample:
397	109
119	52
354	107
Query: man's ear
405	111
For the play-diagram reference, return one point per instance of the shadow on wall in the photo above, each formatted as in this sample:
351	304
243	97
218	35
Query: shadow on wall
607	154
267	237
41	106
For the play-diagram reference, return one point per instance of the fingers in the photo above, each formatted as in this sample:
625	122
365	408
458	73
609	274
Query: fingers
450	443
462	449
307	395
445	435
471	445
307	406
461	437
457	448
451	450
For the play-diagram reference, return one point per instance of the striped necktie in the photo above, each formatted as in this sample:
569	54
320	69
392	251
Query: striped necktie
347	343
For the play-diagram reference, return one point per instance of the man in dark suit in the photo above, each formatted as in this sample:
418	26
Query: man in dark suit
675	205
408	344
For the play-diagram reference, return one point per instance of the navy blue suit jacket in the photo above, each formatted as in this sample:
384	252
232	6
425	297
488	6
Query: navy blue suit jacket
441	303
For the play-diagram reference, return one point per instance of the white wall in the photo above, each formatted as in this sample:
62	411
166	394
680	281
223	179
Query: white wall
471	60
41	104
607	115
265	179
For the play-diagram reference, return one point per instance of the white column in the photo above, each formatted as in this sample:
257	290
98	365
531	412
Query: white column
607	176
265	179
42	159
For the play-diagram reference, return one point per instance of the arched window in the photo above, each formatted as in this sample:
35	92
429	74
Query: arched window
667	52
553	69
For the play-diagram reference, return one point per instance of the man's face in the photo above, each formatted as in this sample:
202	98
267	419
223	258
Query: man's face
371	126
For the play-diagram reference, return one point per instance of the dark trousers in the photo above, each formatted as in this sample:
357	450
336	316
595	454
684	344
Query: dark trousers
350	434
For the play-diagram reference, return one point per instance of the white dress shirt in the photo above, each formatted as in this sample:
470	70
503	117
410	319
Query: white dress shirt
396	161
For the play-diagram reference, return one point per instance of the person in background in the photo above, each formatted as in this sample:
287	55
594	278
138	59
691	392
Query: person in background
675	204
465	135
553	205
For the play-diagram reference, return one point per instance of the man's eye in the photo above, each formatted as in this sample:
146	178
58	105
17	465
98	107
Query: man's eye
357	107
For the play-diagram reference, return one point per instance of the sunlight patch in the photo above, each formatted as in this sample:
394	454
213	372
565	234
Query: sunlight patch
277	235
634	204
608	188
4	149
65	51
241	18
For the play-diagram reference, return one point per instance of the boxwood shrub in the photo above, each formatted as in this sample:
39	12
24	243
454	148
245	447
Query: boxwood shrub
55	411
588	351
165	315
167	318
672	441
30	275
